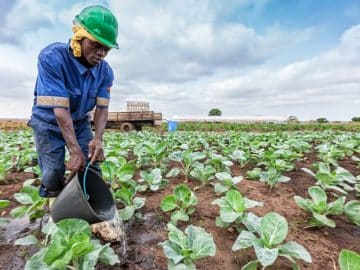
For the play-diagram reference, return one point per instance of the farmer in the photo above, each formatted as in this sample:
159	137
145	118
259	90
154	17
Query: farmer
72	79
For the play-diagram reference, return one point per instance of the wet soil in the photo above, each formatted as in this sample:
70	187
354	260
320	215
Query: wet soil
144	235
13	257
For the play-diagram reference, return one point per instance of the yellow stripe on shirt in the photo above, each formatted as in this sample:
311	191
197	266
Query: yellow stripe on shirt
52	101
102	101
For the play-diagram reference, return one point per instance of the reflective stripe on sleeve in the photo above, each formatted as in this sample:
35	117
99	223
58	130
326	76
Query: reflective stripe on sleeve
52	101
102	101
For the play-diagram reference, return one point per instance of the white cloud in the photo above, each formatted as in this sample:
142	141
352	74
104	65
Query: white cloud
186	60
174	43
325	83
26	16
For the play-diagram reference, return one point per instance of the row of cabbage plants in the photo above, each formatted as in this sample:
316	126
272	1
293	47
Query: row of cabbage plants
208	159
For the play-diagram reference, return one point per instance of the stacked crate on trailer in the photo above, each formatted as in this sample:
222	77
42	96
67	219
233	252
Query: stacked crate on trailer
138	114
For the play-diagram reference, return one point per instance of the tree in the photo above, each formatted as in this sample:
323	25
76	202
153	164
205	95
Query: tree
215	112
355	119
322	120
292	119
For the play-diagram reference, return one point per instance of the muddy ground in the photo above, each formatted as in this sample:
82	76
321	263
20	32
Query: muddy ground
144	235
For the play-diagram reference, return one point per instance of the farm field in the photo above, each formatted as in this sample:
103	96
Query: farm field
240	197
266	127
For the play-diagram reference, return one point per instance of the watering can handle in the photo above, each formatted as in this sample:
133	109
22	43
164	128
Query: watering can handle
85	173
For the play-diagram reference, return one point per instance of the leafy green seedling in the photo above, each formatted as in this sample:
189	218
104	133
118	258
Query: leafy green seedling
254	174
156	152
352	211
338	180
204	173
319	208
233	208
240	156
219	162
272	177
330	153
126	195
226	182
70	247
182	203
153	180
34	169
187	159
119	171
182	249
266	235
33	204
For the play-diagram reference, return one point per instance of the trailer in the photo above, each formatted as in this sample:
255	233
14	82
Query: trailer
137	116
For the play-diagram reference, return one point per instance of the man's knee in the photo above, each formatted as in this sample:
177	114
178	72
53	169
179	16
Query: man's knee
53	179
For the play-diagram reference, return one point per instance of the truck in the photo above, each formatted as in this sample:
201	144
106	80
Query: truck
138	114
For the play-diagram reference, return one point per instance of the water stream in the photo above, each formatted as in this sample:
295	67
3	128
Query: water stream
121	228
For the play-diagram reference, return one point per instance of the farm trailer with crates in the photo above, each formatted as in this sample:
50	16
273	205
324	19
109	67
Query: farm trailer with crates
138	114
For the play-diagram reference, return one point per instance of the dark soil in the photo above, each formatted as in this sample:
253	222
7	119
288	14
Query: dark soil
13	257
144	235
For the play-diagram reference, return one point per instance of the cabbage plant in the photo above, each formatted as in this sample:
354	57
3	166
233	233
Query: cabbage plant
272	177
339	180
254	174
352	211
33	205
181	203
330	153
240	156
225	182
183	249
71	246
233	208
319	208
119	171
152	180
126	195
266	236
203	173
219	162
187	159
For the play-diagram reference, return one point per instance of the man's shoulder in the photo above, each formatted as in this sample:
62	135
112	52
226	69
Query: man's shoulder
56	49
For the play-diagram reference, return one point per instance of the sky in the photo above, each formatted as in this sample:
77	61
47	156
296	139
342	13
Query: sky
185	57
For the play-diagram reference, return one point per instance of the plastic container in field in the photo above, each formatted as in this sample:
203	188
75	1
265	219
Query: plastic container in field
172	126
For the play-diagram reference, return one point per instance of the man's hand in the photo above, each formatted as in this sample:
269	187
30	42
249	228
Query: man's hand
96	151
76	161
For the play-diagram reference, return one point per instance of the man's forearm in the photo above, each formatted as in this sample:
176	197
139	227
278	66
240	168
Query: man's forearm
100	120
65	123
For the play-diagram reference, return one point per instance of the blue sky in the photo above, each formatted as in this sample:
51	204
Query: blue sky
246	57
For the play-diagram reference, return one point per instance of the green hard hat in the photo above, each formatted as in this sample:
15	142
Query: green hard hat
101	23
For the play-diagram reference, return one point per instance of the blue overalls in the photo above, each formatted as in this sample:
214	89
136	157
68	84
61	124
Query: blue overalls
63	82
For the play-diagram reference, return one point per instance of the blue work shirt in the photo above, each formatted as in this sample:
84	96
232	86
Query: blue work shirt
63	82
